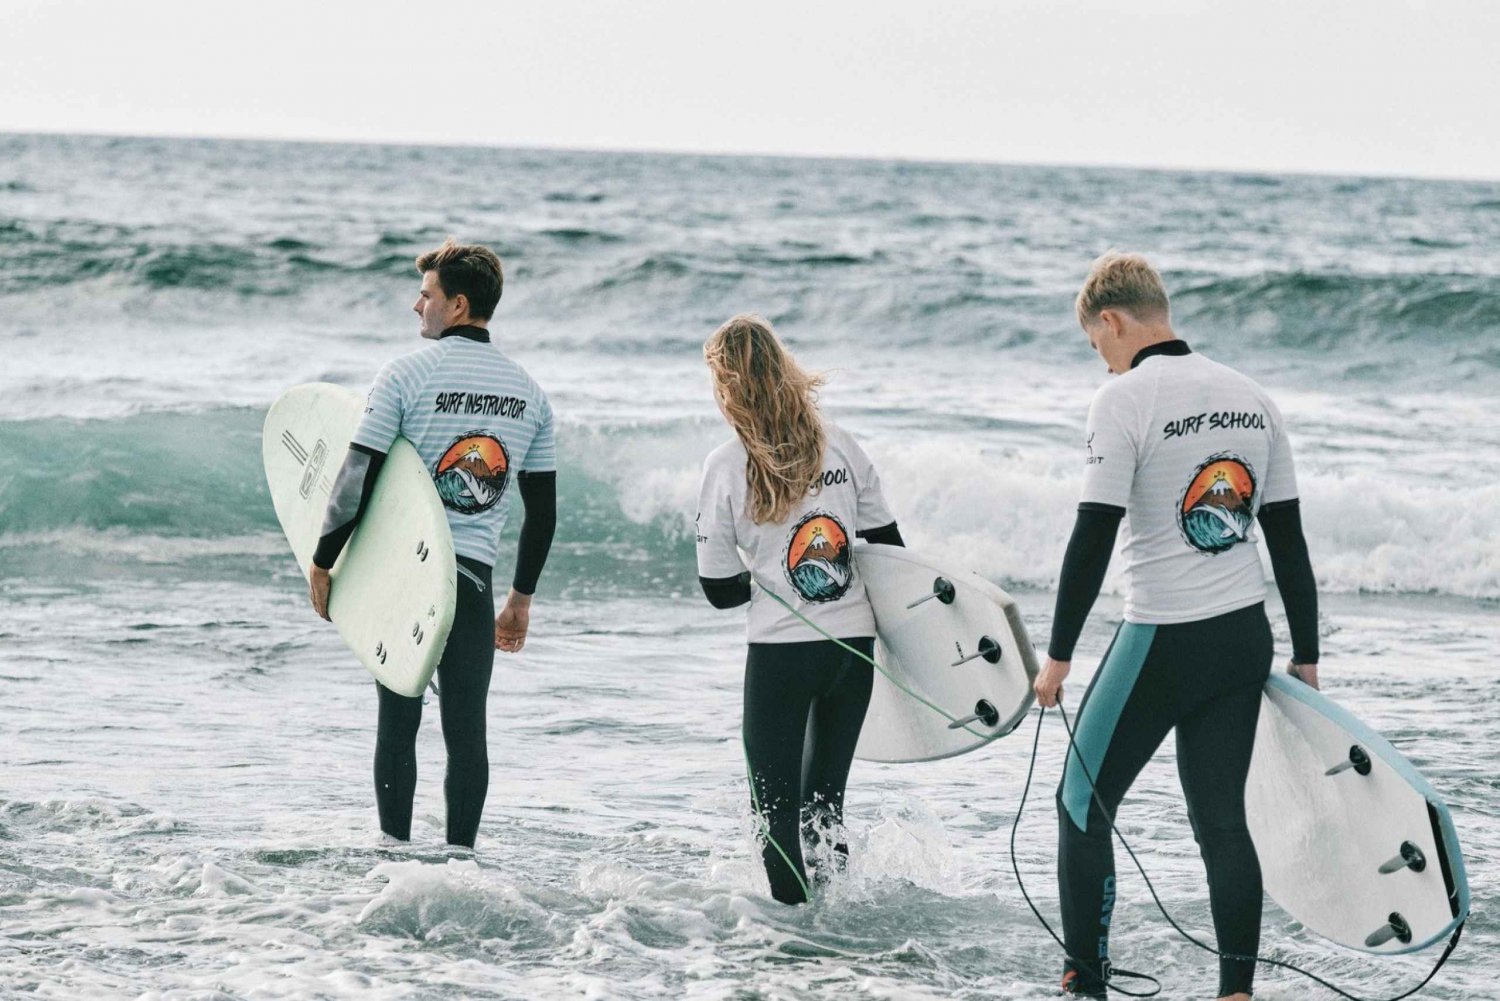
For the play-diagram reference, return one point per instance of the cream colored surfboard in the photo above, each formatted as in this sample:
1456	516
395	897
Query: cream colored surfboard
395	584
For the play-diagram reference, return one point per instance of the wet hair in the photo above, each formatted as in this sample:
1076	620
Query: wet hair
1126	282
772	404
468	270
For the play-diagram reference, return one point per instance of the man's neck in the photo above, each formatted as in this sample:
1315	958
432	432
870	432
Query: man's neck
470	331
1171	346
1156	333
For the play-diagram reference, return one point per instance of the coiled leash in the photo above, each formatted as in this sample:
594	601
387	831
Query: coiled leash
1111	974
1281	964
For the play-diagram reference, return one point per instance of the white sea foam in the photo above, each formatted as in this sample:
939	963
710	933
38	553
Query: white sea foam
1008	517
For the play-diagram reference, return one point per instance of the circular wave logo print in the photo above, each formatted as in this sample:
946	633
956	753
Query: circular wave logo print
818	563
1217	508
471	475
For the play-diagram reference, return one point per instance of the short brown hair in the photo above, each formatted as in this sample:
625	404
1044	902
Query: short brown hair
1122	281
468	270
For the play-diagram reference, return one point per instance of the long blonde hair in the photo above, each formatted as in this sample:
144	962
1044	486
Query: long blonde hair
772	404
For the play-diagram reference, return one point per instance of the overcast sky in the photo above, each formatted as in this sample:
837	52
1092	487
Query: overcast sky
1346	86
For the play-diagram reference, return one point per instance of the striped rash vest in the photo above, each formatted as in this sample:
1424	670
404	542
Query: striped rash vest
477	420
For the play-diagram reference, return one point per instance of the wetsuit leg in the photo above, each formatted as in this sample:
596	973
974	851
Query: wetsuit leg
464	677
1214	746
396	760
1123	718
780	685
1204	677
837	715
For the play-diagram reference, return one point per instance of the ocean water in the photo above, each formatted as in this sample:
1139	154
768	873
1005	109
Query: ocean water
185	802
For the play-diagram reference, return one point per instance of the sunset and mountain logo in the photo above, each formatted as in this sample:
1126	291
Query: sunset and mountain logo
1218	506
472	473
818	563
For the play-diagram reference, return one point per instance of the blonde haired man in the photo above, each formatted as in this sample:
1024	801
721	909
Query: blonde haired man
1190	453
478	421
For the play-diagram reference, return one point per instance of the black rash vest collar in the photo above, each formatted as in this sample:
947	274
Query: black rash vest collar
465	330
1177	346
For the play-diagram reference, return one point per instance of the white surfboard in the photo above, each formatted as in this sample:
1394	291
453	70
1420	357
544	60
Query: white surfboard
395	583
1367	856
953	639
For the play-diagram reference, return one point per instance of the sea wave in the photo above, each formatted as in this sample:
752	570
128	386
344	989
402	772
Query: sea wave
69	253
163	488
616	291
1318	310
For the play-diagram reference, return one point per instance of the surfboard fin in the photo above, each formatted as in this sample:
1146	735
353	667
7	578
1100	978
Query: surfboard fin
988	649
984	712
1411	857
1394	927
1359	760
942	590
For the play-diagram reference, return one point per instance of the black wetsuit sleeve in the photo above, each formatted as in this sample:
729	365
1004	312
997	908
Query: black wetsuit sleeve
346	505
539	498
726	592
1084	564
1281	524
885	535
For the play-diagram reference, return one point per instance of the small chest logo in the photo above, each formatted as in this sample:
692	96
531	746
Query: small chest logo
817	562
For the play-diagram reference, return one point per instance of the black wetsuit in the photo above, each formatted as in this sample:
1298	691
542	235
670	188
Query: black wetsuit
1151	681
463	673
804	706
1205	679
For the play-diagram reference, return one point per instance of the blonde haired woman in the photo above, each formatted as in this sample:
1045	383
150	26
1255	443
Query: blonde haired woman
791	491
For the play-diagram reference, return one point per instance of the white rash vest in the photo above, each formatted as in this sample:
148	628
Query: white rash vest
476	418
1190	449
805	559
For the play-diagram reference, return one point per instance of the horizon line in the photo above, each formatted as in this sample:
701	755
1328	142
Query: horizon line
605	150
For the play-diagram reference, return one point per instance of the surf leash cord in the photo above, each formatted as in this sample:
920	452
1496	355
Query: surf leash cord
1265	960
1112	972
765	824
967	727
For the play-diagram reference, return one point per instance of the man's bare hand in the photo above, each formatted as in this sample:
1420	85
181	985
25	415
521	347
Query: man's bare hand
319	583
512	622
1048	684
1305	673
